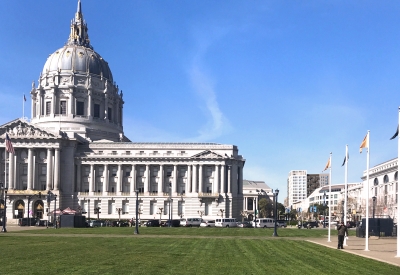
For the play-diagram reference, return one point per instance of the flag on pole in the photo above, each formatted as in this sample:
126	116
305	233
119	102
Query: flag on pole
9	146
24	98
364	143
345	158
328	165
395	134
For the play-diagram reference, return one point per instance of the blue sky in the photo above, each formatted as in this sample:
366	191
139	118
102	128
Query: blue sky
288	82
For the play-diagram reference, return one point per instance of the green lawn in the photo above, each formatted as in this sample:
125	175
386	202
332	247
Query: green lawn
117	253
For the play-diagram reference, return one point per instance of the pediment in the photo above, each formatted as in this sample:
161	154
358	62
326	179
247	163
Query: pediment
22	129
208	154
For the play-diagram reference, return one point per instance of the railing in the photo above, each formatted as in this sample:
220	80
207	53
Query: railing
209	195
125	193
154	193
83	193
111	193
98	193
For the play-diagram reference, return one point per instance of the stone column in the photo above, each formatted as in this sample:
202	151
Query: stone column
106	105
119	181
240	183
216	179
78	177
161	180
189	179
11	183
105	179
57	169
223	178
134	188
201	179
91	181
89	107
175	182
30	169
229	178
146	181
132	183
70	108
49	169
194	180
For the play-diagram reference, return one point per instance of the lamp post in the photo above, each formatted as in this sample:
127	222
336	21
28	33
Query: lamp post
119	214
55	207
169	206
4	229
373	206
161	209
276	212
201	214
137	213
324	208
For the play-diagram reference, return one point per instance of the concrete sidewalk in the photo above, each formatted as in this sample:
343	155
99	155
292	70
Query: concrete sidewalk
380	249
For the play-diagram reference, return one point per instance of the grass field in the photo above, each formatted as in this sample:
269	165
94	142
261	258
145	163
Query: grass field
184	251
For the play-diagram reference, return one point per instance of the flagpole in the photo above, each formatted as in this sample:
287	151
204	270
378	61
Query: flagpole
23	107
345	191
367	204
398	196
329	199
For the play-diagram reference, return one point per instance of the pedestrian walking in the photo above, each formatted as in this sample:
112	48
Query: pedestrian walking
342	233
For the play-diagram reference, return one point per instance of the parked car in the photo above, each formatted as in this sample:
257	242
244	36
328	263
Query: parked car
189	222
174	223
244	224
153	223
281	223
207	223
310	225
119	224
96	223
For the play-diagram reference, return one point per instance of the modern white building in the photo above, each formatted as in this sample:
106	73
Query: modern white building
296	186
74	147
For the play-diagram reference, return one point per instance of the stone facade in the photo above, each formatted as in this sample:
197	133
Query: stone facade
75	148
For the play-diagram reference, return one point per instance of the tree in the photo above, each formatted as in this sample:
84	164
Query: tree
265	208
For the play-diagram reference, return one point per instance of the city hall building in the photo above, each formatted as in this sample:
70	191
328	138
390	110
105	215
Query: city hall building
74	147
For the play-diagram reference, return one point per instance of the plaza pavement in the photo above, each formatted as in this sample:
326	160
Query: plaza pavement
380	249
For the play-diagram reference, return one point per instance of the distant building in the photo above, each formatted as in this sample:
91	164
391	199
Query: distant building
315	181
253	191
296	186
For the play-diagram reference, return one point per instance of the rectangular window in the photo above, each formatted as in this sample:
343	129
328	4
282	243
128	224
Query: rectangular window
43	170
114	172
63	107
109	114
96	111
25	169
80	108
127	173
48	107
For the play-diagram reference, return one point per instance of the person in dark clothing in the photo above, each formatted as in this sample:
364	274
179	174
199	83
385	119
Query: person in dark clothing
342	232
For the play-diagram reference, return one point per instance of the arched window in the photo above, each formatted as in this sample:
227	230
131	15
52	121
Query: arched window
385	179
376	181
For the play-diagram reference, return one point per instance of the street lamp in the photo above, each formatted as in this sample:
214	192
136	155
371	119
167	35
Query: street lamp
324	208
169	206
55	206
201	214
3	229
276	212
373	206
137	212
119	214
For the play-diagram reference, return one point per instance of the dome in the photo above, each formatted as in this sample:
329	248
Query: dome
77	59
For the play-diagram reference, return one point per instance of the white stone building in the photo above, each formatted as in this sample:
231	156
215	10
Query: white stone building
253	191
74	146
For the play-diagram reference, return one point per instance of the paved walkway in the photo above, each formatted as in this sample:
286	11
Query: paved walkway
380	249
